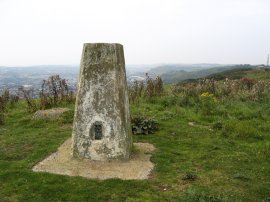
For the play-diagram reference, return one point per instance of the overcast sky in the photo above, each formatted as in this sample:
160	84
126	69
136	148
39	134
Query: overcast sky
152	31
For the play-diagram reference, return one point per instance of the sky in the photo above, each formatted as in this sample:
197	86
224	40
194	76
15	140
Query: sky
42	32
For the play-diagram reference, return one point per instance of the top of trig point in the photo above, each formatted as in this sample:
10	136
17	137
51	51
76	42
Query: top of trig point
104	53
102	44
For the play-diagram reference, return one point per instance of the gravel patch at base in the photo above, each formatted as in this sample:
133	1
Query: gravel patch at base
62	162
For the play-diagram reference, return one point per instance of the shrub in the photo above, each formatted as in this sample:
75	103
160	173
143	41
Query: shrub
208	103
247	83
135	91
186	100
32	104
153	87
54	91
187	94
149	89
190	176
244	89
217	125
207	85
5	98
13	99
2	110
168	101
144	126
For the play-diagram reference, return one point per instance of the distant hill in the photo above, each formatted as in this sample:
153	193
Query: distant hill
178	76
168	68
237	73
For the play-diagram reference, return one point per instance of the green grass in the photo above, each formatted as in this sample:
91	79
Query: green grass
257	74
231	160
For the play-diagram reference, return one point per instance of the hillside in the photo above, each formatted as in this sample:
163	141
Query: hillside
168	68
239	73
177	76
212	145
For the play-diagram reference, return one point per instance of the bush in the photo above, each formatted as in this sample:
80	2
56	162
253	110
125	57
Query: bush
54	91
187	100
144	126
2	110
149	89
5	98
190	176
168	101
207	103
242	89
32	104
217	126
135	91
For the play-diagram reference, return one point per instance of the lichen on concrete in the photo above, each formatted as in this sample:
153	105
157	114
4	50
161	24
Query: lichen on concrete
102	98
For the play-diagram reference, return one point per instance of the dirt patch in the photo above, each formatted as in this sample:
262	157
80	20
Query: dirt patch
61	162
49	113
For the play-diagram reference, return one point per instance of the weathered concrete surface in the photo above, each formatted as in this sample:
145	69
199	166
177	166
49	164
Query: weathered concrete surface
101	129
62	162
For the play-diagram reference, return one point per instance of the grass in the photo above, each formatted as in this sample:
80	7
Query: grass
257	74
227	152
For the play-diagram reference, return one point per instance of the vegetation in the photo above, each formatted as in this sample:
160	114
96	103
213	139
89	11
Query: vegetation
54	91
239	73
148	89
5	99
2	109
212	145
143	125
178	76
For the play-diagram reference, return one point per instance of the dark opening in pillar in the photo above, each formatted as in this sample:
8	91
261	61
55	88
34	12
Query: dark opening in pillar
97	130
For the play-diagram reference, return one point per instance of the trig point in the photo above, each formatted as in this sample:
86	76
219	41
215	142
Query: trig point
101	129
